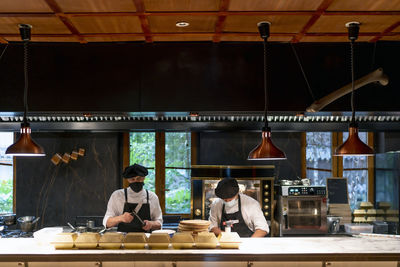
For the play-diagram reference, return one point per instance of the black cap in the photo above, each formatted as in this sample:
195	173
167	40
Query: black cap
135	170
227	188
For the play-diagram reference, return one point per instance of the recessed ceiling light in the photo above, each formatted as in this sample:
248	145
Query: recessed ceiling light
182	24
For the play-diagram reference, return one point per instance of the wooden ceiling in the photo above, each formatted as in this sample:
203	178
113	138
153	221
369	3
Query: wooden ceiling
210	20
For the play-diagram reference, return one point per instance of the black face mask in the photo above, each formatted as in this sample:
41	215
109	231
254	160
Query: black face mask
136	186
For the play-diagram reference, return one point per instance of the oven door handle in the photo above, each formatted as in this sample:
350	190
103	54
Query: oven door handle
286	221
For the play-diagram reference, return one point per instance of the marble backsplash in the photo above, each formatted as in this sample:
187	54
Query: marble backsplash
80	188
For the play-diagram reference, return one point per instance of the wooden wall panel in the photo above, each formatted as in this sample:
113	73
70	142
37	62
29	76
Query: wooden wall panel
24	6
197	23
39	25
391	38
281	24
111	24
181	5
328	39
257	5
117	38
232	38
368	23
182	38
365	5
67	39
96	5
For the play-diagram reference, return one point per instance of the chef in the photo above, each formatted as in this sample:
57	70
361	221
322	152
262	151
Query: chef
240	211
124	203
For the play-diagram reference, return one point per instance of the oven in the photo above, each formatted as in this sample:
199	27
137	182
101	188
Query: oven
302	210
254	181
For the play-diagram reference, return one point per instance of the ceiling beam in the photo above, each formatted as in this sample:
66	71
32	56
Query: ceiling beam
67	22
320	10
226	13
31	15
204	13
144	22
220	24
205	34
386	31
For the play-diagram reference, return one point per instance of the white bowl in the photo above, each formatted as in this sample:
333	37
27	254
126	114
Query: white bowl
164	231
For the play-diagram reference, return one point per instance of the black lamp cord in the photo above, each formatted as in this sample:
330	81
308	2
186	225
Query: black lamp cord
265	86
353	111
302	71
26	81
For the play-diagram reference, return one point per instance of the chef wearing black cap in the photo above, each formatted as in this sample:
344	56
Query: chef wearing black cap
241	210
134	199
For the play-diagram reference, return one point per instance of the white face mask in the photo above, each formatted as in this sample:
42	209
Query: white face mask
230	204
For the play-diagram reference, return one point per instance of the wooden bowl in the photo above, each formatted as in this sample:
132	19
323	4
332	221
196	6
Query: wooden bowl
135	241
64	240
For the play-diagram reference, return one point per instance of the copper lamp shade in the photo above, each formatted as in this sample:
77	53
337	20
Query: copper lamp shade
266	150
353	145
25	146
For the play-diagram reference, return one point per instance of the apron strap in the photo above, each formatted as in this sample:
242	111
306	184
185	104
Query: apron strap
126	195
140	203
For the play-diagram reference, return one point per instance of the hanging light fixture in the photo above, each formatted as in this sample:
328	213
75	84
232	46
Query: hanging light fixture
353	145
266	150
25	146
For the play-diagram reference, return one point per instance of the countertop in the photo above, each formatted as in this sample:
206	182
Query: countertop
361	248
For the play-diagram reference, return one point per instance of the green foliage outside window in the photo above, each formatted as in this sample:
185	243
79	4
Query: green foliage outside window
143	152
177	173
6	196
6	173
177	166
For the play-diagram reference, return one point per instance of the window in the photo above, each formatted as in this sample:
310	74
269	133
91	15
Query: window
318	157
6	174
142	150
168	157
177	172
355	169
320	164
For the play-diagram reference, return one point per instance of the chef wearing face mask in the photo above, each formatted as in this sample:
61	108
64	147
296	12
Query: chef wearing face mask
242	211
134	198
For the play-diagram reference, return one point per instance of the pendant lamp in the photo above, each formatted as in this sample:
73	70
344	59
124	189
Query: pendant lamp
266	150
25	146
353	146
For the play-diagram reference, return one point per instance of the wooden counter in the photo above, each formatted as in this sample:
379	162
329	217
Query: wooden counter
283	249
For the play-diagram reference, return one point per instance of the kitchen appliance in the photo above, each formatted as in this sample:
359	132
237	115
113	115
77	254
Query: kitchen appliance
254	181
27	223
302	210
8	219
333	224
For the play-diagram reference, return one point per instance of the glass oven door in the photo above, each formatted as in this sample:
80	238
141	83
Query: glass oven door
306	214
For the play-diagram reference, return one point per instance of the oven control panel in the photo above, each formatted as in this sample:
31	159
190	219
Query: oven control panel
303	191
267	192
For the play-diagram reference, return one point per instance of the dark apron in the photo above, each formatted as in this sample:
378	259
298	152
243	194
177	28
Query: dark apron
241	227
144	213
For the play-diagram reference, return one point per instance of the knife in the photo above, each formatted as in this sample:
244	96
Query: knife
137	216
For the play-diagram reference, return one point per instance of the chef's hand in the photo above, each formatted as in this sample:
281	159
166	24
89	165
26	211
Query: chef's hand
126	217
148	225
216	230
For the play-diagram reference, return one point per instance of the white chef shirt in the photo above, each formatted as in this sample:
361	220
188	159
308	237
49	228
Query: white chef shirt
251	212
115	205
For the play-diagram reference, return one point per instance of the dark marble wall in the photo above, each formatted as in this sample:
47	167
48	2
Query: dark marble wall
387	142
80	188
232	148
